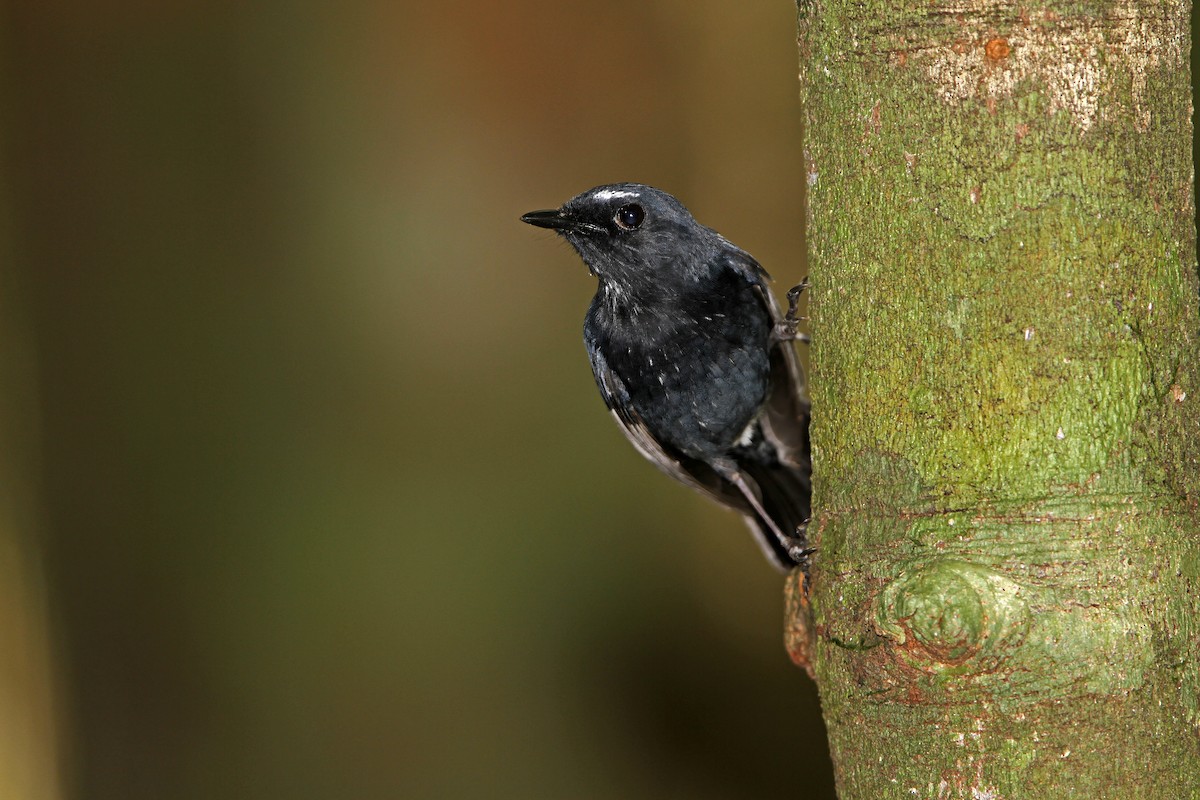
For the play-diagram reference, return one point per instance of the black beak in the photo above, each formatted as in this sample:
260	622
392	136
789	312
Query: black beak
558	220
550	218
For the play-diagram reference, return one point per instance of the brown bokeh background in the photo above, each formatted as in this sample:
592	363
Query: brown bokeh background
326	501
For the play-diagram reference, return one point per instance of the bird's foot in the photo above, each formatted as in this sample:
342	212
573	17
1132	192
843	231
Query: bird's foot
800	554
798	548
785	330
793	297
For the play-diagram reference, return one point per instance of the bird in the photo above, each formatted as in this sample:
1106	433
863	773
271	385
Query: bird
694	357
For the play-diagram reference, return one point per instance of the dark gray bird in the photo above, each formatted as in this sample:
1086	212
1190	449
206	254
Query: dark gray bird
693	356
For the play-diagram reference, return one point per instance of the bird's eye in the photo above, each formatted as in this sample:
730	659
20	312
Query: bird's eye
630	216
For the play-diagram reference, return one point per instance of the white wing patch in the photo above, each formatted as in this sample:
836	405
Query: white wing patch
747	437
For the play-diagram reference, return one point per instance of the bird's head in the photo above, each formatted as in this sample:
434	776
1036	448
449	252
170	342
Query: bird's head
632	235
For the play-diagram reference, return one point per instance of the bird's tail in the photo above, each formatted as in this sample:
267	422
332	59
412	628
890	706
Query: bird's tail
785	494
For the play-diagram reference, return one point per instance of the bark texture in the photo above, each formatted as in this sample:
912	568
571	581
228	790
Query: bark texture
1006	596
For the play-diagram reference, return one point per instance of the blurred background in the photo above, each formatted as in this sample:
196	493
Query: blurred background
307	491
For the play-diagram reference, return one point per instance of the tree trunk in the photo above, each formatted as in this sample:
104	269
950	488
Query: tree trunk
1005	600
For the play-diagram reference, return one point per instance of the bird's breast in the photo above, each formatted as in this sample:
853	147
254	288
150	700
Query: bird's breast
695	373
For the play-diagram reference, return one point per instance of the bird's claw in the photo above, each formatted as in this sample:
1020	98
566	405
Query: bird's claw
799	549
786	332
785	329
794	293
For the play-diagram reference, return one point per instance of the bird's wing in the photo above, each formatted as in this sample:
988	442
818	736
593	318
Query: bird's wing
693	472
785	415
786	412
785	487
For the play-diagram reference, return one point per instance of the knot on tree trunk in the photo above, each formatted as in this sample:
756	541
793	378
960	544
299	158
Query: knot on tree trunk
952	613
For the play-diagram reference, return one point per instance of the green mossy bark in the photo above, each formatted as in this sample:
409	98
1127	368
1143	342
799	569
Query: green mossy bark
1006	403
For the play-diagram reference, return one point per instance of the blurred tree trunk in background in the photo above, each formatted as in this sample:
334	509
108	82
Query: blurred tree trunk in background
1005	394
28	744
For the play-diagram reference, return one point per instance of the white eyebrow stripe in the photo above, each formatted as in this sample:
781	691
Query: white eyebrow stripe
611	194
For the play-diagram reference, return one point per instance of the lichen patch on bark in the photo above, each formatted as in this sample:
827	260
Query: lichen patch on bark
1072	58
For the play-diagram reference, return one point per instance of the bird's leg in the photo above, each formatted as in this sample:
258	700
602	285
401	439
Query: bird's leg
792	317
785	330
794	544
